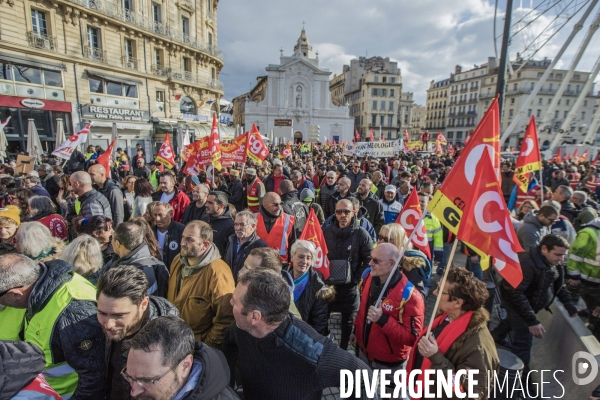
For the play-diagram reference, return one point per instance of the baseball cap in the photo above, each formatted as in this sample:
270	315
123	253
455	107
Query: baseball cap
390	188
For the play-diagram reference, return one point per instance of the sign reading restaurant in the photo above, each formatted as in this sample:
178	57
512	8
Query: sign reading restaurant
117	114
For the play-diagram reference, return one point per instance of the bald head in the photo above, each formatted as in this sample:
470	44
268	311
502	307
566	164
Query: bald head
81	177
98	174
286	186
383	260
272	203
388	250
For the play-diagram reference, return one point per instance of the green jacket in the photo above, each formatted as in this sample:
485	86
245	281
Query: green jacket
584	255
434	232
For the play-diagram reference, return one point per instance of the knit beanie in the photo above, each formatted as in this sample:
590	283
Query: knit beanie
11	212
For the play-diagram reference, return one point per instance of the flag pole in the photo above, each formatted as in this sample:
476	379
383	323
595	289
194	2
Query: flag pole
404	248
441	286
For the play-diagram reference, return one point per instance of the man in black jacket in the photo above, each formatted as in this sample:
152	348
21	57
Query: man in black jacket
34	294
342	191
242	242
124	308
168	233
543	281
370	202
262	342
141	170
76	162
110	190
188	369
236	190
292	205
563	195
219	218
197	208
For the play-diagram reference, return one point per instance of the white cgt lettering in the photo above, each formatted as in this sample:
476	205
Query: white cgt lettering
420	238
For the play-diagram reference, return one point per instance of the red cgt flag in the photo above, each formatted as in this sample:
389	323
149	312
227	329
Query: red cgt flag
406	137
356	136
576	155
486	224
257	150
529	159
313	233
596	159
371	136
105	159
585	155
166	155
409	217
557	158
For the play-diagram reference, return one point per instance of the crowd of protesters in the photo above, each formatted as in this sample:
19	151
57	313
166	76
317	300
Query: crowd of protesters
155	285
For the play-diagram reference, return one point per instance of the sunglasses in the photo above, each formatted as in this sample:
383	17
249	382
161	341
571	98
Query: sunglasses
376	261
383	238
343	211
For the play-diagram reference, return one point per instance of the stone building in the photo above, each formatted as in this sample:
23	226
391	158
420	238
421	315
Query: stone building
292	102
418	116
151	67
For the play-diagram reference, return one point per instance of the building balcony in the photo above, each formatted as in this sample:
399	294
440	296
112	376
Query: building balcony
187	76
453	92
474	88
452	102
158	69
148	24
451	114
462	102
41	41
95	53
130	62
470	124
471	112
464	90
472	101
461	113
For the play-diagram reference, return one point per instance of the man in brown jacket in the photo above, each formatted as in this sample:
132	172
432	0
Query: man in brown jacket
201	285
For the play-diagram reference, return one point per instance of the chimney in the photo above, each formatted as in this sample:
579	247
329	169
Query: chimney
457	69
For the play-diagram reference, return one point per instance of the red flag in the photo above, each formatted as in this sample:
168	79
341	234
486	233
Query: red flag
558	159
356	136
214	145
406	137
371	137
409	216
165	154
313	233
257	149
105	159
438	148
234	152
450	150
585	155
382	138
529	159
286	152
441	138
486	224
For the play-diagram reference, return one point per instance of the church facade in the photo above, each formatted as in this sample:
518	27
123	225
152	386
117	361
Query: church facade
293	102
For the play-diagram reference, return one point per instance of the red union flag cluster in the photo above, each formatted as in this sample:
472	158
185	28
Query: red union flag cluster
257	149
105	159
409	217
66	148
529	159
313	233
165	154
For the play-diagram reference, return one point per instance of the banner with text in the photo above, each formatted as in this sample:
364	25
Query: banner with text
376	149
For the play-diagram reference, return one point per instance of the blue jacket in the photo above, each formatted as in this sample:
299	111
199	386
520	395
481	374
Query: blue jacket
513	196
306	185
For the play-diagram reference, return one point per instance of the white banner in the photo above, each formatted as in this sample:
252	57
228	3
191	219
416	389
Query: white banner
66	148
389	148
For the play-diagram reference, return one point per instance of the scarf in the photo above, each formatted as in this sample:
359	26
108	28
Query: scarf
444	340
300	285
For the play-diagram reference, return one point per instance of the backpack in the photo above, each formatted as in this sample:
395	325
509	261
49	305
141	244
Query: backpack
160	272
426	271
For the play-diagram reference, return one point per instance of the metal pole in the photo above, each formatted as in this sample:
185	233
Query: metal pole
504	56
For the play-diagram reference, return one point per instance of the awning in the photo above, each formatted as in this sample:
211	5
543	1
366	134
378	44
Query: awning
32	62
109	77
227	132
123	125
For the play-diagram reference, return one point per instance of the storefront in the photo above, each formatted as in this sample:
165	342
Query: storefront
44	113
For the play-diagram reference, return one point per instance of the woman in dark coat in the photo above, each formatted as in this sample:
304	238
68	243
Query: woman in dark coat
311	295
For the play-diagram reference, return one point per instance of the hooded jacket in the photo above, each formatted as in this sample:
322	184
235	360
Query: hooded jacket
531	231
157	307
235	258
213	381
77	337
222	228
586	215
114	195
582	261
202	292
355	179
326	191
57	248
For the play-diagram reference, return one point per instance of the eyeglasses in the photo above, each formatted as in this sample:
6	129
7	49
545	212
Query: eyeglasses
343	211
376	261
144	382
383	238
235	225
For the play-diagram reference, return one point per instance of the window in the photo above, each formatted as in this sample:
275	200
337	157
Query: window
383	106
585	103
96	85
510	113
391	92
577	89
5	71
512	101
213	73
375	78
568	88
52	78
531	86
515	86
374	119
128	5
187	64
540	101
160	96
38	22
390	120
583	115
538	113
129	49
392	79
157	58
384	79
565	114
114	88
556	114
529	112
185	26
391	108
93	36
156	13
209	8
210	38
375	105
381	120
28	74
384	92
568	101
549	101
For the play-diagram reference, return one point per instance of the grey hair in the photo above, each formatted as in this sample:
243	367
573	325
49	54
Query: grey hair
33	178
552	203
33	238
330	172
304	245
84	254
378	173
251	218
580	195
221	197
46	167
296	174
346	180
566	191
41	205
17	270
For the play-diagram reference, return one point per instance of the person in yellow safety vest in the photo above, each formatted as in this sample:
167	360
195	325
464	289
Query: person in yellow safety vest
154	177
254	189
53	307
435	235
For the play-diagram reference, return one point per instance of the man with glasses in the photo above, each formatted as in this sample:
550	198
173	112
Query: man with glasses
543	281
197	208
327	188
355	175
124	307
276	227
386	332
370	203
342	191
347	241
536	225
164	362
242	242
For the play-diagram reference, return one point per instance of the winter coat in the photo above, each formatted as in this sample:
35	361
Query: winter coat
355	179
582	262
390	210
563	228
143	172
203	295
193	213
157	307
474	349
50	183
586	215
324	194
111	191
531	231
307	184
329	209
568	209
154	269
507	184
318	212
172	245
213	382
414	268
374	211
52	254
313	302
363	222
179	202
236	260
354	243
293	206
76	162
237	194
541	284
39	190
94	203
222	228
78	323
269	182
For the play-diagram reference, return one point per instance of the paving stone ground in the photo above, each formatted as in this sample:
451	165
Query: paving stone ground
335	329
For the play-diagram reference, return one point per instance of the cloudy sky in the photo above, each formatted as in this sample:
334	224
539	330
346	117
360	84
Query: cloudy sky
426	37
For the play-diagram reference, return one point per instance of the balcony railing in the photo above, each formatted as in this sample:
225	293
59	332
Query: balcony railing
41	41
464	90
95	53
187	77
148	24
474	88
130	62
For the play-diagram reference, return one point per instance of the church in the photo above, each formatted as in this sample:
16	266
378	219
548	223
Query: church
293	102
